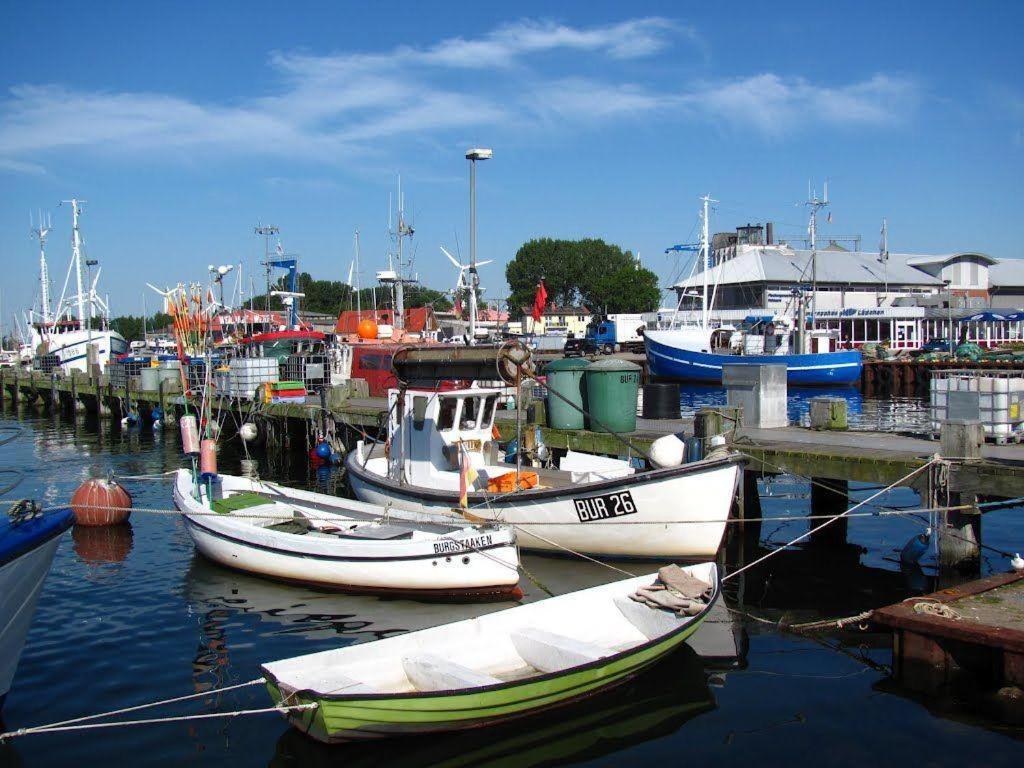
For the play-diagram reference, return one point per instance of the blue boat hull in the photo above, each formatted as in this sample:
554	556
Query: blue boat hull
828	368
26	553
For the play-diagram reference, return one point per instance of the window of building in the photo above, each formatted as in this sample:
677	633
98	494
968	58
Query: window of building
974	274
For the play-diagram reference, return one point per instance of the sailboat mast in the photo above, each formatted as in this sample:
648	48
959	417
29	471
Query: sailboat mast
41	230
76	258
359	302
400	282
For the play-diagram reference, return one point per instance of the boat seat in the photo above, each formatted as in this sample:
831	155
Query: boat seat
651	622
549	652
374	532
340	684
430	672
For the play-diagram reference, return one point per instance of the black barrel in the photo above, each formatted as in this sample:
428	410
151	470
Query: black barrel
661	401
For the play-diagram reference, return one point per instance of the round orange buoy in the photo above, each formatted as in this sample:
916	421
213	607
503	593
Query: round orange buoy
101	502
367	329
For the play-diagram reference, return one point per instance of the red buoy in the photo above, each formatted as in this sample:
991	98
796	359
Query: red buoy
101	502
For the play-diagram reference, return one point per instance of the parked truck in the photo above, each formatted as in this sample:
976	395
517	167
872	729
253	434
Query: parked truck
617	333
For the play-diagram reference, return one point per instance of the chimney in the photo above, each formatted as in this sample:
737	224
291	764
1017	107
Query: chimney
768	240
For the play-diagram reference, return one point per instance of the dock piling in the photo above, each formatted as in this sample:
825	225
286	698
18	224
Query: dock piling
959	531
829	497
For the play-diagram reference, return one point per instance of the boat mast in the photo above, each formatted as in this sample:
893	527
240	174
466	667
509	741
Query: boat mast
705	251
404	230
40	231
815	205
76	257
359	303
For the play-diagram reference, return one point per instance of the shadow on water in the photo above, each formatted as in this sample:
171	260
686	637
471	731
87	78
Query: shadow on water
656	703
106	545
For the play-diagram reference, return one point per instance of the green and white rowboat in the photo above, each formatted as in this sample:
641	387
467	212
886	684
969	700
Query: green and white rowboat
485	670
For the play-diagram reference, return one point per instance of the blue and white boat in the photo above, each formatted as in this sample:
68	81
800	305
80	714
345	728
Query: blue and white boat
688	354
698	351
28	541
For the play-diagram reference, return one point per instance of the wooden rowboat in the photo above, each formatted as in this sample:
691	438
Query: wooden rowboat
485	670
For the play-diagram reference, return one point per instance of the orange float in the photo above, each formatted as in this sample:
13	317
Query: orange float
367	329
101	502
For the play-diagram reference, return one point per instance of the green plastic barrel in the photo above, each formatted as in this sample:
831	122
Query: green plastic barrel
566	378
611	387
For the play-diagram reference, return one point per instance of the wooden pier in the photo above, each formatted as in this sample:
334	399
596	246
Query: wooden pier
909	377
966	640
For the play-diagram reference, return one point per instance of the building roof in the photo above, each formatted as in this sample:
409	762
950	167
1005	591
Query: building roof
550	309
1006	273
781	264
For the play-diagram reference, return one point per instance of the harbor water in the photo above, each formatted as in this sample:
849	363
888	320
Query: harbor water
132	614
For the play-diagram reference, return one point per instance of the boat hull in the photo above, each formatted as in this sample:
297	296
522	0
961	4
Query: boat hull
669	360
70	348
21	581
488	569
680	513
373	716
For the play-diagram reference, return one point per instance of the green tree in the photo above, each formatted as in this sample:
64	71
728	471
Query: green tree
130	326
590	272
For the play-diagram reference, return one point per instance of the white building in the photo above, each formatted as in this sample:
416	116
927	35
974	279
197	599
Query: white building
903	300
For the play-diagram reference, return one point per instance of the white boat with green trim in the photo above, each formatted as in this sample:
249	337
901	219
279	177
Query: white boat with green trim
301	536
485	670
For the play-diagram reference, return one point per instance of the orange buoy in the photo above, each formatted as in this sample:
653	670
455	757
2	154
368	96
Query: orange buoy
367	329
101	502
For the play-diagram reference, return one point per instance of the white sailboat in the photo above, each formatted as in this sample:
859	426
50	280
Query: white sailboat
68	331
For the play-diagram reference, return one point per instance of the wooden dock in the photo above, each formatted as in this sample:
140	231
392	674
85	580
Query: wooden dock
967	639
910	377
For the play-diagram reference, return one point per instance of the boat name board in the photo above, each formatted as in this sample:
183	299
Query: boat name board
449	546
605	506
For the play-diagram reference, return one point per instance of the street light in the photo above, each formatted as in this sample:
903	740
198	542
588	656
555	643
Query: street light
89	264
477	153
949	307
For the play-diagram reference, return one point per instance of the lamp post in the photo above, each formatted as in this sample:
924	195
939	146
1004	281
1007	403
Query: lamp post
949	313
89	264
477	153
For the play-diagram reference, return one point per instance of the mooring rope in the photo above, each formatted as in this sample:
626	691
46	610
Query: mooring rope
78	722
805	535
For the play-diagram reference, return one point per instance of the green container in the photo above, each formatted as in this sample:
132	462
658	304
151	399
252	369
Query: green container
565	377
611	386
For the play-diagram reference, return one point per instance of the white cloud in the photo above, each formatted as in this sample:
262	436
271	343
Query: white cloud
521	75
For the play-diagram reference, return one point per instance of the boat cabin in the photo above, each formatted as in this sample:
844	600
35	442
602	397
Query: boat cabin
429	430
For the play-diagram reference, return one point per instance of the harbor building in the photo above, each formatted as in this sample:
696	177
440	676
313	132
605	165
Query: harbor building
560	321
900	299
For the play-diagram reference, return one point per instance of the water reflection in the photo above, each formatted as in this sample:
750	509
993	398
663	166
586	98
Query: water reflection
655	704
102	545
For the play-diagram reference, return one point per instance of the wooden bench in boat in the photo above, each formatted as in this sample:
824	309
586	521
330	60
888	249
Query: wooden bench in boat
550	652
651	622
430	672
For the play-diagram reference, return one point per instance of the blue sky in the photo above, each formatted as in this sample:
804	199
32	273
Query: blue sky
184	124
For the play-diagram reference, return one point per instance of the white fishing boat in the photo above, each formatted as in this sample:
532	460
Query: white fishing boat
588	504
28	542
312	538
67	331
497	667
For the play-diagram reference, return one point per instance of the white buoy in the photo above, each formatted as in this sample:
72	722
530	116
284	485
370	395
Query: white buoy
668	451
1017	562
213	429
124	422
247	432
158	425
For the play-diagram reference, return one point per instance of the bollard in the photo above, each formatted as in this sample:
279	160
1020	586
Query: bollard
959	530
829	413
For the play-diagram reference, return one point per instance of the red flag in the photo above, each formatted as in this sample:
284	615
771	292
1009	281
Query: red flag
539	300
458	306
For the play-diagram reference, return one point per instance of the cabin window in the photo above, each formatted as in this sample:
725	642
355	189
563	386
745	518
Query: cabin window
490	406
446	417
419	411
470	413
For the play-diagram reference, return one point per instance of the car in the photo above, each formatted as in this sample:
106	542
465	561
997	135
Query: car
579	347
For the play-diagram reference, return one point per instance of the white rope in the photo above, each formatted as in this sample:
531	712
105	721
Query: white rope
803	536
153	720
137	707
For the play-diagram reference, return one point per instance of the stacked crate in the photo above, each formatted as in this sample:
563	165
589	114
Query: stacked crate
245	376
994	397
313	371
